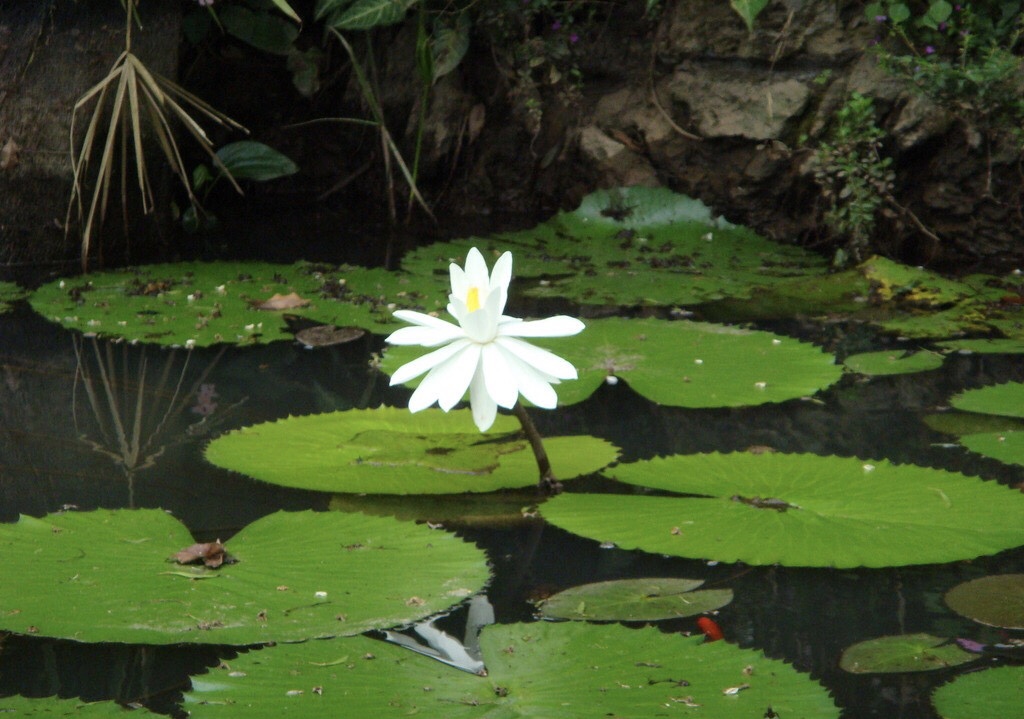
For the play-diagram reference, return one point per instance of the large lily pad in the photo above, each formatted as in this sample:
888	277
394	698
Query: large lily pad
106	576
887	362
565	670
1006	400
634	246
635	600
201	303
997	601
799	510
54	707
992	693
903	653
1004	404
392	451
682	363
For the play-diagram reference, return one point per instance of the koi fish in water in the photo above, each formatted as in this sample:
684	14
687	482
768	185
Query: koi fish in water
712	632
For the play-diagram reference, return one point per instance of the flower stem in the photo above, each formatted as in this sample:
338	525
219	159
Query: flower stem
548	482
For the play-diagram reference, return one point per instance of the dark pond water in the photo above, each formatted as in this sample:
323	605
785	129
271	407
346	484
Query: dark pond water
58	447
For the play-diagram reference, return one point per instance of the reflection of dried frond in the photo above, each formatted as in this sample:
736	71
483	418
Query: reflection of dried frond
129	93
131	412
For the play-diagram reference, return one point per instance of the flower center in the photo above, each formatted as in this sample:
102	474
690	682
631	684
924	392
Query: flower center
473	299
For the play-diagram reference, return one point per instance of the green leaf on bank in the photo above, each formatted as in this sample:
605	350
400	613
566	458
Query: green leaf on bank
991	693
362	14
250	160
208	303
392	451
634	600
798	510
748	10
632	246
903	653
567	670
107	576
892	362
997	601
680	363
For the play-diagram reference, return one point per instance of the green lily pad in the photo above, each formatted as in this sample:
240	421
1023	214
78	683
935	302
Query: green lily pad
992	693
985	346
1005	400
965	423
10	292
681	363
566	670
200	304
798	510
392	451
903	653
634	600
893	362
1007	446
54	707
106	576
634	246
997	601
494	509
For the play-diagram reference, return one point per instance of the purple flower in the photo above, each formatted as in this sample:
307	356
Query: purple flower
556	25
881	18
574	38
929	50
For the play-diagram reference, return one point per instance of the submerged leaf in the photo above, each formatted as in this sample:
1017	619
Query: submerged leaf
903	653
997	601
634	600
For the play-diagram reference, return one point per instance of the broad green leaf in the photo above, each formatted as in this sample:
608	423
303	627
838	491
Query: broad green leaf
263	30
392	451
633	246
249	160
1005	446
1006	400
997	601
55	707
991	693
893	362
368	14
449	45
634	600
798	510
565	670
748	10
903	653
208	303
284	7
106	576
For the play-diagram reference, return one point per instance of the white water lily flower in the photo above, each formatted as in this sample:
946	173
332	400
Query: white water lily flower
483	352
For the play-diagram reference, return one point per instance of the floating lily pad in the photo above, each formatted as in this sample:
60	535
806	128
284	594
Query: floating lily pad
684	364
985	346
392	451
105	576
893	362
1007	447
903	653
201	304
964	423
1005	400
634	246
798	510
994	692
494	509
53	707
10	292
566	670
997	601
635	600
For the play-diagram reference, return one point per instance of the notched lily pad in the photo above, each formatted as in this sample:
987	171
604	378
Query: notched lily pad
200	304
392	451
903	653
634	600
1003	404
991	693
104	576
798	510
997	601
566	670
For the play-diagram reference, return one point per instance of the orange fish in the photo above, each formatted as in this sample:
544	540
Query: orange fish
710	627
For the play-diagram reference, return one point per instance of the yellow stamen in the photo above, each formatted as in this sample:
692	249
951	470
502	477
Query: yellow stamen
473	299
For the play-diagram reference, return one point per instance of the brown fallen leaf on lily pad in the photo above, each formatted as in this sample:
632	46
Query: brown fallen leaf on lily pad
282	302
212	554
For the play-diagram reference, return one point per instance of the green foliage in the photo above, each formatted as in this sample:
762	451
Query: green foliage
634	600
109	576
748	10
903	653
997	600
563	670
990	693
854	177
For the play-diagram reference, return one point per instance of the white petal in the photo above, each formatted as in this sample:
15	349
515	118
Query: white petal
460	283
418	318
540	359
499	377
453	377
482	325
426	336
413	369
485	409
476	270
533	385
559	326
501	276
